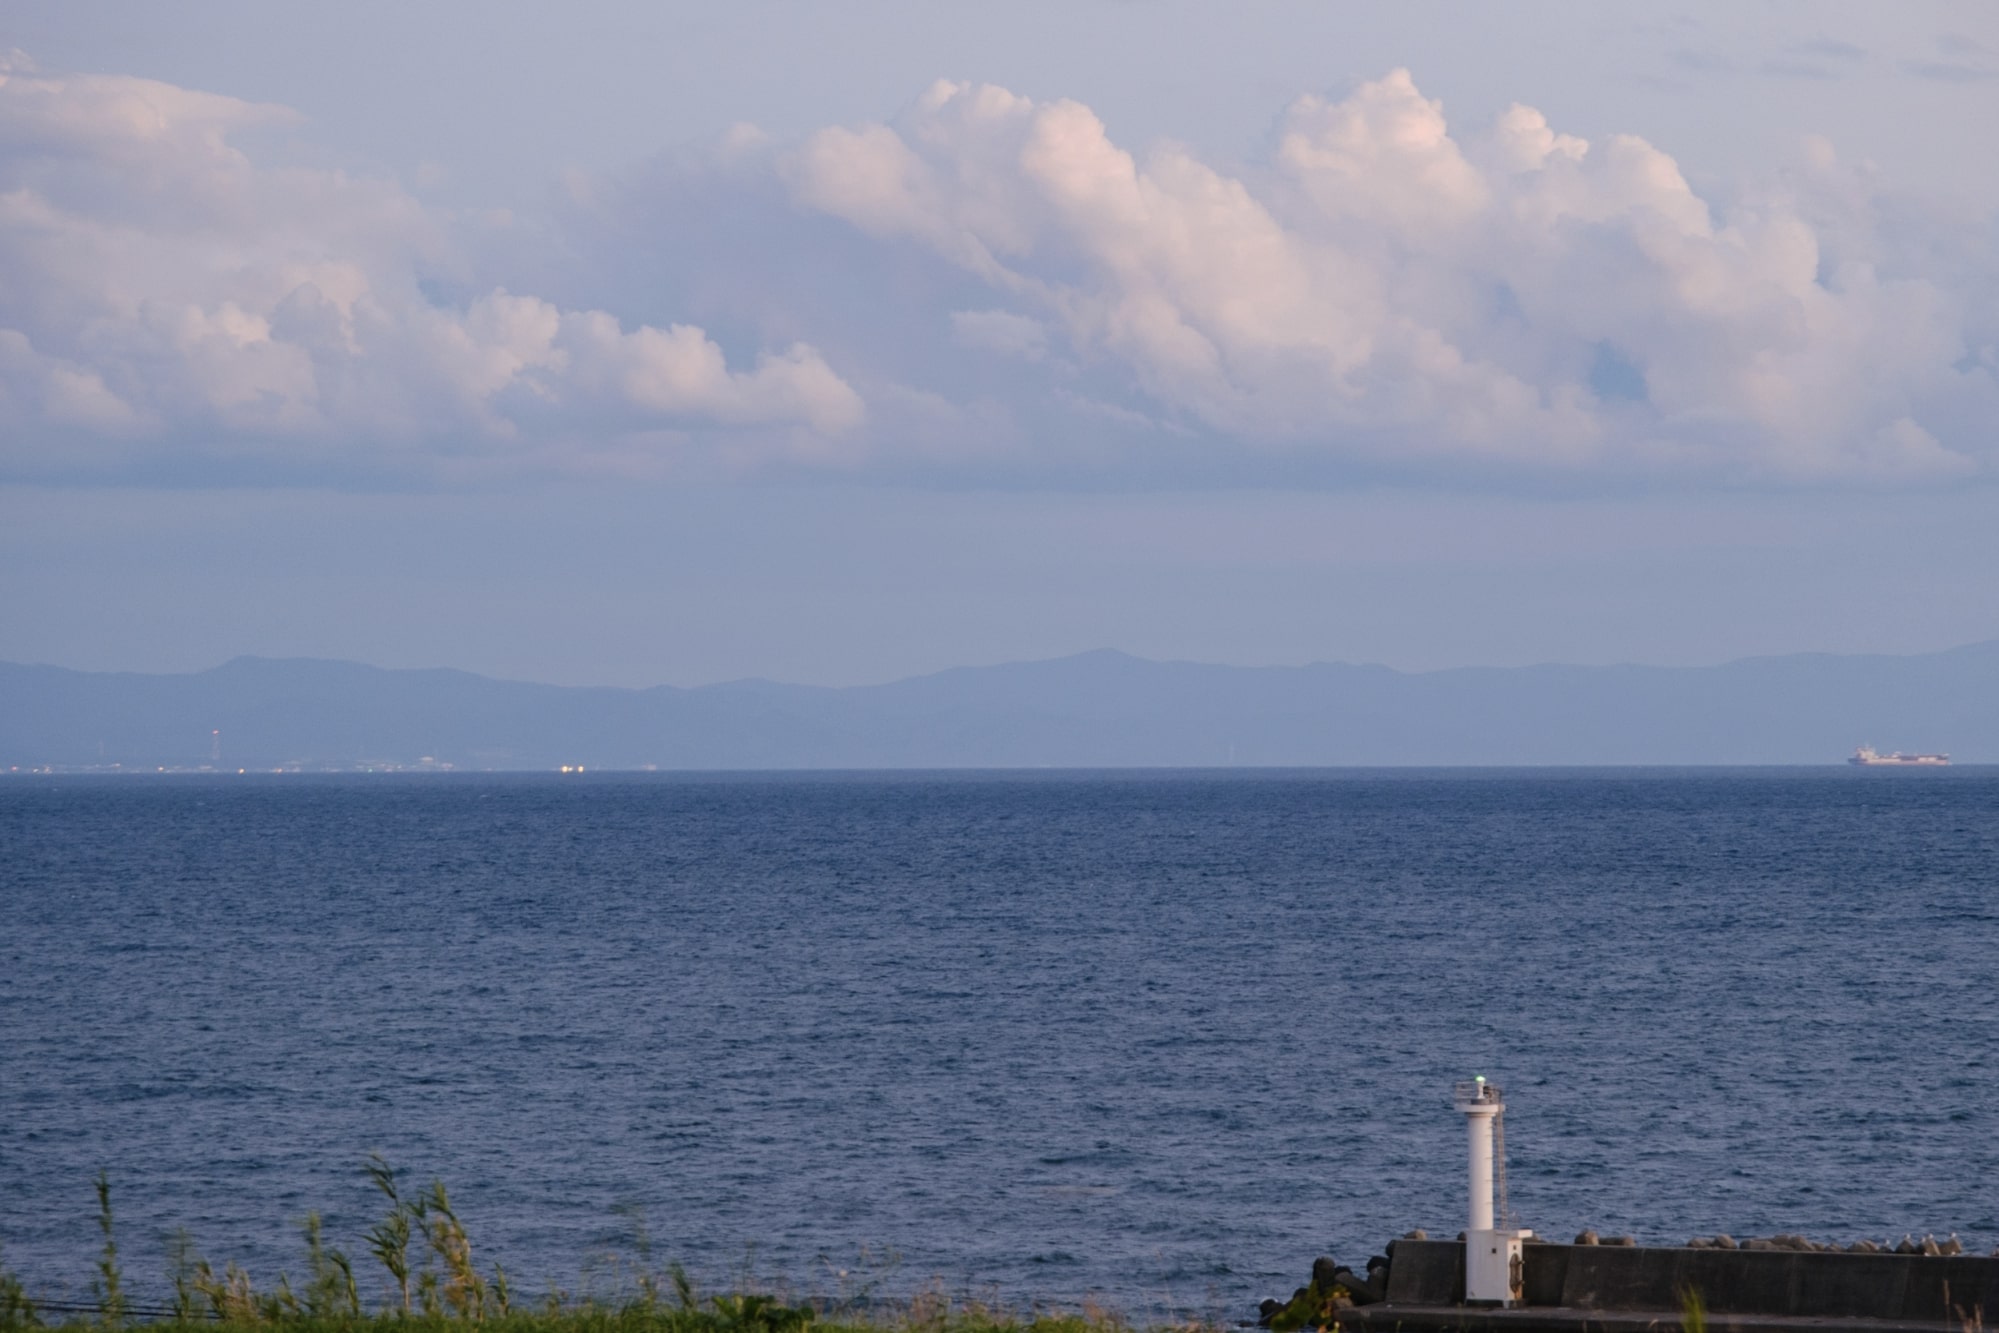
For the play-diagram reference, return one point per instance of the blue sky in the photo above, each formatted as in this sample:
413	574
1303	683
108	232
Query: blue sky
631	344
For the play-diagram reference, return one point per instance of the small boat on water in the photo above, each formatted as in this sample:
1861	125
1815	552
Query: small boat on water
1867	757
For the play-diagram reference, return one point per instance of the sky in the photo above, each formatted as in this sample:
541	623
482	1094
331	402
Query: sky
619	343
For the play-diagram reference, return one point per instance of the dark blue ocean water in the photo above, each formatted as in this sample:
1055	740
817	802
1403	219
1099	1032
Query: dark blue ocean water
1157	1038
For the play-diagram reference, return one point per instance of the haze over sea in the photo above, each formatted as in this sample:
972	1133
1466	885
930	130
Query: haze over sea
1157	1037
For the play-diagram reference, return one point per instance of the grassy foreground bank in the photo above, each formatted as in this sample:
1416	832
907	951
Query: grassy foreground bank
721	1314
424	1280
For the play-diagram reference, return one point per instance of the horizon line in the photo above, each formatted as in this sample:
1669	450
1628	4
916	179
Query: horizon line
1102	652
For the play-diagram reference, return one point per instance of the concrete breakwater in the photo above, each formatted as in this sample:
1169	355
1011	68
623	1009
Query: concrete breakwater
1628	1288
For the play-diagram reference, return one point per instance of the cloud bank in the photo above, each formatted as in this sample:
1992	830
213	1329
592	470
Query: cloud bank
987	285
161	291
1389	291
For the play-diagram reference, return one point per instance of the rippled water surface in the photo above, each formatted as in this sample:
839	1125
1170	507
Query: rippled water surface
1161	1038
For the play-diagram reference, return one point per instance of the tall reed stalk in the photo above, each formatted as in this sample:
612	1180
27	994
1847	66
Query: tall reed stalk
462	1290
330	1289
111	1286
181	1262
389	1239
16	1309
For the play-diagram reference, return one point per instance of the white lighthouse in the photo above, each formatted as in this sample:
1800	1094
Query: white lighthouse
1494	1267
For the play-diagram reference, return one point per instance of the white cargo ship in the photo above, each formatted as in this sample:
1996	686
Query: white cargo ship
1867	757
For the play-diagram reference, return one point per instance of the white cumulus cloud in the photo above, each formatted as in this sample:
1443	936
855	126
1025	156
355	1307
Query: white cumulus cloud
163	291
1392	292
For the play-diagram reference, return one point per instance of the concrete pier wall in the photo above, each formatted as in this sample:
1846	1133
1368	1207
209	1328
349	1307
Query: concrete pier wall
1898	1287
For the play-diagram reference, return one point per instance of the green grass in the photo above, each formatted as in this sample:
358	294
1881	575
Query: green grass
722	1314
428	1282
738	1313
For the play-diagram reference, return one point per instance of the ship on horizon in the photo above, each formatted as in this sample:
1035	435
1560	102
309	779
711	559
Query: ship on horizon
1868	757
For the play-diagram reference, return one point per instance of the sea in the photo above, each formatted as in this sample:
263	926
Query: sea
1153	1040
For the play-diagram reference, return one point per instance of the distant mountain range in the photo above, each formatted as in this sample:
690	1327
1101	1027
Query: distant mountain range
1100	709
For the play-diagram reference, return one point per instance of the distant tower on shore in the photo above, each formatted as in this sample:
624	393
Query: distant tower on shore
1495	1270
215	746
